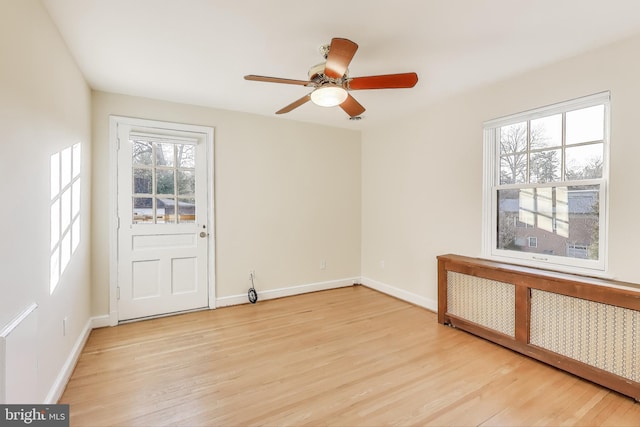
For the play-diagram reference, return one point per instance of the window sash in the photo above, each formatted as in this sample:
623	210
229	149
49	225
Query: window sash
491	186
545	259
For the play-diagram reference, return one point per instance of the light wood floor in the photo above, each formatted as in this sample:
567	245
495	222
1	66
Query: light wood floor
343	357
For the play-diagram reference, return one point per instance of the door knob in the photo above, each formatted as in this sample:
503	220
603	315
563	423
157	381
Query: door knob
203	234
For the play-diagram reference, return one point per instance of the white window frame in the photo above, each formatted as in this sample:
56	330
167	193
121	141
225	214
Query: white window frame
491	176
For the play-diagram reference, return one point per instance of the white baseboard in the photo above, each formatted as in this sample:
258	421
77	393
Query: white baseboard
55	393
107	320
286	292
400	294
101	321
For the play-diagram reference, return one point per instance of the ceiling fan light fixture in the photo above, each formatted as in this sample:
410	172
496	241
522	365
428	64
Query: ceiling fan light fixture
329	96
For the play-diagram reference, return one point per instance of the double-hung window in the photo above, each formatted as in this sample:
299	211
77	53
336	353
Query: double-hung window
545	184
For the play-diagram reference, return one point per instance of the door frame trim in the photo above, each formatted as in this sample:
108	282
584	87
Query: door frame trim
114	121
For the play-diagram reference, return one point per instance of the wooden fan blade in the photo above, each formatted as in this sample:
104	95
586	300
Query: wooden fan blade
352	107
276	80
295	104
388	81
341	52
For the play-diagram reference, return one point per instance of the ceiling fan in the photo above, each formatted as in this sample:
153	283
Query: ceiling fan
331	81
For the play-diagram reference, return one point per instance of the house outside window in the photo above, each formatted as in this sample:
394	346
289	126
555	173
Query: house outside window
545	183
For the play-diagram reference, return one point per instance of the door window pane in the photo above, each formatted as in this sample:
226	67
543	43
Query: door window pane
142	181
186	210
186	155
164	183
166	210
164	154
186	183
142	210
142	153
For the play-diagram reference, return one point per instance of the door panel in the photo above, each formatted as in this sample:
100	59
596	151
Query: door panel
163	234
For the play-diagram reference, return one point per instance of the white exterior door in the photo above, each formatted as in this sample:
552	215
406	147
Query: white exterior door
164	230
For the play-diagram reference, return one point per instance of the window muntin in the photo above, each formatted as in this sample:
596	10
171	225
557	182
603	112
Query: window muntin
537	151
545	185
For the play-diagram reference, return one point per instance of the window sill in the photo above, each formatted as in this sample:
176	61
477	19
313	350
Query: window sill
552	267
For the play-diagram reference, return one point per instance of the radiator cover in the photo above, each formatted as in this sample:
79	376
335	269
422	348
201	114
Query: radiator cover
600	335
486	302
586	326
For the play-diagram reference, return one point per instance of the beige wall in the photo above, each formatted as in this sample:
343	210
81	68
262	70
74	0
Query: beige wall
422	176
287	196
44	108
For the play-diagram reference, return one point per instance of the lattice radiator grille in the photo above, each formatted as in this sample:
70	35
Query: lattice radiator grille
600	335
486	302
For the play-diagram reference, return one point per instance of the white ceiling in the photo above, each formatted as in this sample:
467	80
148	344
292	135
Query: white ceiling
197	51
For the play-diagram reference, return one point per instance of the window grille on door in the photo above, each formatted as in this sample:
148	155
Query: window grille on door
163	180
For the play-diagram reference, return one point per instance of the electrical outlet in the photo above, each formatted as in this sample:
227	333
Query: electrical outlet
323	264
65	322
382	264
252	274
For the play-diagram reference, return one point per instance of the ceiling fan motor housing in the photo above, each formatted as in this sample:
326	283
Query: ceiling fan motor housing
316	71
319	78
